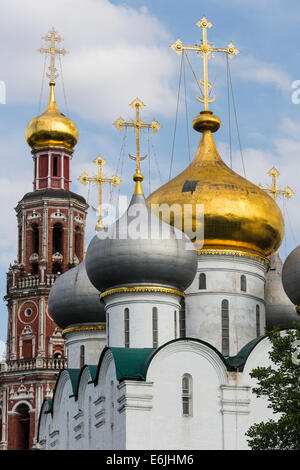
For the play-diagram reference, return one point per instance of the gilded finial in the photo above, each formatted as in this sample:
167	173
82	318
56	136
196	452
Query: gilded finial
52	37
205	48
100	179
274	190
138	125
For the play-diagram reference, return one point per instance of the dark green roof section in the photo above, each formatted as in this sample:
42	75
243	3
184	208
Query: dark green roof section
50	405
93	372
131	363
239	361
74	375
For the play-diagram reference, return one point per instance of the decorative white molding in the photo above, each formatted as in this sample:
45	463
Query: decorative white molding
34	216
58	215
79	220
57	257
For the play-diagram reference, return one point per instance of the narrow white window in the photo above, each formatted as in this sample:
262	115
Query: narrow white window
154	327
82	358
243	283
202	281
175	324
187	395
182	320
225	327
257	320
126	327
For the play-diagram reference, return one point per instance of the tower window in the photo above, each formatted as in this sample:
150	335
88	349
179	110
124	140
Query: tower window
82	358
187	395
34	269
56	268
243	283
57	238
35	239
182	320
55	166
257	320
126	327
154	327
77	242
225	327
202	281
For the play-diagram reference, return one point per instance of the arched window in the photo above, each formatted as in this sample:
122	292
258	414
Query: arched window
82	358
202	281
154	327
225	327
34	269
187	397
243	283
22	427
35	239
182	320
77	242
57	238
56	268
257	320
126	327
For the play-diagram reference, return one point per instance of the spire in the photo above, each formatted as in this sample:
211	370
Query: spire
274	190
205	48
138	125
100	179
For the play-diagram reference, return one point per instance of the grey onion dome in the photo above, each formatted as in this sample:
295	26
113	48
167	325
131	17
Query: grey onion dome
291	277
74	300
140	249
280	311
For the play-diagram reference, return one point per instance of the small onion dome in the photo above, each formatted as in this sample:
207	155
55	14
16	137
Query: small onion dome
73	299
279	309
52	128
239	217
140	249
291	277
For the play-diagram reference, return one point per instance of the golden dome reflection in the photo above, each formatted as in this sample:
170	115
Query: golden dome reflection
52	128
239	217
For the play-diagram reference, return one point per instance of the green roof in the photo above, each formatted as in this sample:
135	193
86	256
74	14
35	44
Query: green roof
74	377
239	361
93	371
131	363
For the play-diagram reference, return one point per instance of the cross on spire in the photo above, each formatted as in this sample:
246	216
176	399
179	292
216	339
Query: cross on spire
53	37
138	125
100	179
205	48
273	190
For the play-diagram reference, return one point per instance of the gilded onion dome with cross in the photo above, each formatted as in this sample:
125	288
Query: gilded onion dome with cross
239	217
52	128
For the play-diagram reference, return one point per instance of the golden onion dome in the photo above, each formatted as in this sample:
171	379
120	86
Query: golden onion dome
52	128
239	217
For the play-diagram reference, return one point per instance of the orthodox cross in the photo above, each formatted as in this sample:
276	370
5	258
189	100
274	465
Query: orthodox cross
100	179
53	37
205	48
274	190
138	125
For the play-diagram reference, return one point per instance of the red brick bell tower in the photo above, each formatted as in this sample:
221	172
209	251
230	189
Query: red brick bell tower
51	226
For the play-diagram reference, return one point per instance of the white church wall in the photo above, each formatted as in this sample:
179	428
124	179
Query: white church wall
93	341
169	428
223	282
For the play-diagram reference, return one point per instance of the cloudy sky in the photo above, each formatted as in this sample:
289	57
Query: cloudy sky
120	50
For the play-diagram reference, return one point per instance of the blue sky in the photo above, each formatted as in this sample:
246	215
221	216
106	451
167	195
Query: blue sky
120	50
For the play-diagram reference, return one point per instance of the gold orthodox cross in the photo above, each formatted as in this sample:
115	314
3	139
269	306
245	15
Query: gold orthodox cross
99	180
138	125
53	37
274	190
205	48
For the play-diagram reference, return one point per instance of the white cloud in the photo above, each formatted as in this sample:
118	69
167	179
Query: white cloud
116	54
255	70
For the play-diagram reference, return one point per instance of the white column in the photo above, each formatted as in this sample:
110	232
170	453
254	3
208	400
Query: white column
41	331
49	169
13	353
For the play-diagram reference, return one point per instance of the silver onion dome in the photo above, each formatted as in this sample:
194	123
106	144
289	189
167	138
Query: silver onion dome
74	300
140	249
280	311
291	277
